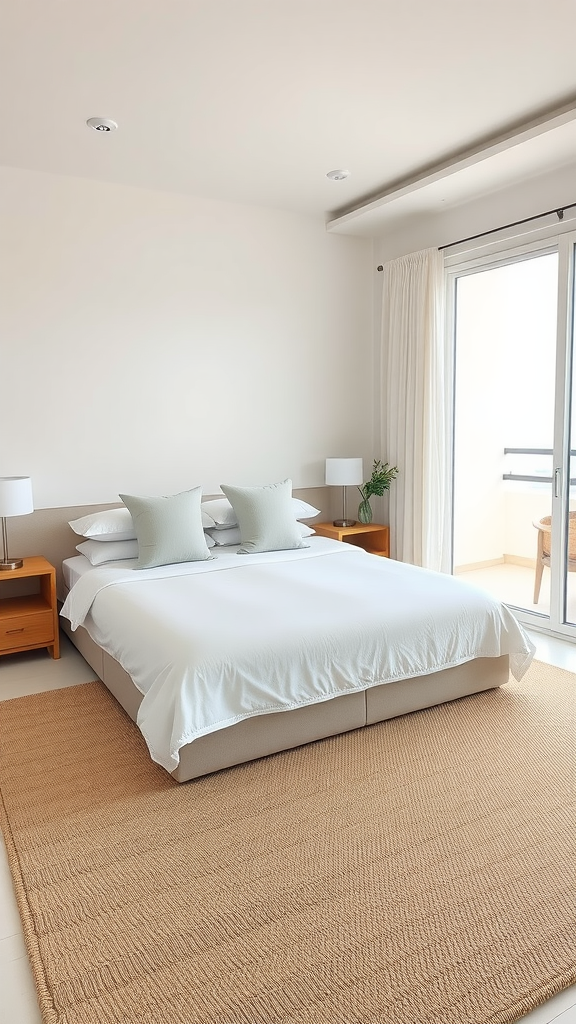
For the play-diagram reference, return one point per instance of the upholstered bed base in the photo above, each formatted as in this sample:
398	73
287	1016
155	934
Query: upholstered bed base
267	734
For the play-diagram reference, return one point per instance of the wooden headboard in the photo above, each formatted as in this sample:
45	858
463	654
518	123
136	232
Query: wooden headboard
46	532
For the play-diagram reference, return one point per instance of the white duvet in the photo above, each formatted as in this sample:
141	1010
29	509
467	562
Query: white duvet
211	643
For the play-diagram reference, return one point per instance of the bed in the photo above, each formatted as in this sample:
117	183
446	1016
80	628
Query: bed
227	660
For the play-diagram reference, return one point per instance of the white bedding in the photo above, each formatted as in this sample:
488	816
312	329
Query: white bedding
211	643
75	567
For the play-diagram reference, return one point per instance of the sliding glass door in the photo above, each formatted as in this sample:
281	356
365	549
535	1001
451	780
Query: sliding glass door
563	538
514	525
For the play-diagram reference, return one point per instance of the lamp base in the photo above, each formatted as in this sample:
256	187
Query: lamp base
343	522
11	563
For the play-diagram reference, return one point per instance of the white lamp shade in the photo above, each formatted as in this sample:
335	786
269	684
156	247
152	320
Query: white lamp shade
16	496
344	472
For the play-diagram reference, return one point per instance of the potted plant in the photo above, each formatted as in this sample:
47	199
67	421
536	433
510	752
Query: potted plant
382	477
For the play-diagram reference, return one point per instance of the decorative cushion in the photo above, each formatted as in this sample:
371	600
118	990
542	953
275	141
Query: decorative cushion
265	517
168	529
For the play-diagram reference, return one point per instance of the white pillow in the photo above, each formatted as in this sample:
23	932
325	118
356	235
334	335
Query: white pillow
97	551
223	537
302	510
113	524
223	515
305	531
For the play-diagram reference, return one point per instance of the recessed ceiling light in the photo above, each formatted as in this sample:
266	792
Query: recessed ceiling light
338	174
101	124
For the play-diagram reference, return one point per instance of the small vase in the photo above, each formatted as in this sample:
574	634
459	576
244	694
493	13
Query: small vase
365	511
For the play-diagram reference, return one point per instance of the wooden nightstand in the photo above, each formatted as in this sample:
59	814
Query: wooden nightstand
371	536
28	621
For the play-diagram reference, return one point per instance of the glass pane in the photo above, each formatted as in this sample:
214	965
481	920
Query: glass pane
570	581
504	429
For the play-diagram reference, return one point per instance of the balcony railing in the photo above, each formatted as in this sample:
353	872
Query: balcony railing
539	477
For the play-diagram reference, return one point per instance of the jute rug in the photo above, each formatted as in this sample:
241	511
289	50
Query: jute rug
421	871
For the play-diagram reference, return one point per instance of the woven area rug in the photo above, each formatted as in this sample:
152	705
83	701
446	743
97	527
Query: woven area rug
420	871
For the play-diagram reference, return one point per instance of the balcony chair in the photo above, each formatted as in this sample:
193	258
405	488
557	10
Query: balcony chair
543	552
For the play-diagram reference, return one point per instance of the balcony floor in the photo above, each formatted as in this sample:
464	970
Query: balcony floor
514	584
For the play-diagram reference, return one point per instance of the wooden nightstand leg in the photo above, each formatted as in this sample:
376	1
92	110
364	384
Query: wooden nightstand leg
48	588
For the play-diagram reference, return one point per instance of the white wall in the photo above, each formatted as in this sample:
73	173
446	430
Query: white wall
151	341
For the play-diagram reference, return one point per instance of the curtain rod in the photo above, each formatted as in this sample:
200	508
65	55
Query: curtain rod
559	211
514	224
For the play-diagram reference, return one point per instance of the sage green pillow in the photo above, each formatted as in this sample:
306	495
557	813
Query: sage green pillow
265	517
168	529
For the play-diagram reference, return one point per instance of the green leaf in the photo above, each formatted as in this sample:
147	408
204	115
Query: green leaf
382	477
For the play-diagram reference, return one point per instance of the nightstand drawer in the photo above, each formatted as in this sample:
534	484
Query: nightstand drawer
26	630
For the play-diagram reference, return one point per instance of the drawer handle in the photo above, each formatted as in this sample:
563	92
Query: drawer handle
10	631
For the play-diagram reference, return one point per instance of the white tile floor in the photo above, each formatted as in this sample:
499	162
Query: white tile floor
514	584
31	673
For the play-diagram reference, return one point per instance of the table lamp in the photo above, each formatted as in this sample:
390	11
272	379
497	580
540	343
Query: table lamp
15	500
343	473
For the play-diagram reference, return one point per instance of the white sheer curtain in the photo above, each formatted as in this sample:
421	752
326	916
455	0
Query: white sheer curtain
416	420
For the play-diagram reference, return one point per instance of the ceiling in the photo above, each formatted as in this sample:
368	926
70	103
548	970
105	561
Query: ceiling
253	101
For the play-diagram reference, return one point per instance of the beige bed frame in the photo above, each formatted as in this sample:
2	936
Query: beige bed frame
267	734
50	535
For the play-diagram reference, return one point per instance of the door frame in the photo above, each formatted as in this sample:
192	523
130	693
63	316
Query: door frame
564	411
490	255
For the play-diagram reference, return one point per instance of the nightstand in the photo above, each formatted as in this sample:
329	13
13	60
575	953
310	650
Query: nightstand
29	620
371	537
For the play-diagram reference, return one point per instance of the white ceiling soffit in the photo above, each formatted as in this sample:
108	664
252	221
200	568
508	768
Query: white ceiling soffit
544	143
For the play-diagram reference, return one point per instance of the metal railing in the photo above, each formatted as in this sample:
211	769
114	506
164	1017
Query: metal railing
538	479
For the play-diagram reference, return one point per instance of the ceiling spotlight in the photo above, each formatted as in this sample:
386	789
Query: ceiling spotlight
338	174
101	124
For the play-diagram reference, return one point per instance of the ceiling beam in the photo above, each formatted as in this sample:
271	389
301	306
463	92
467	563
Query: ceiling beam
482	150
